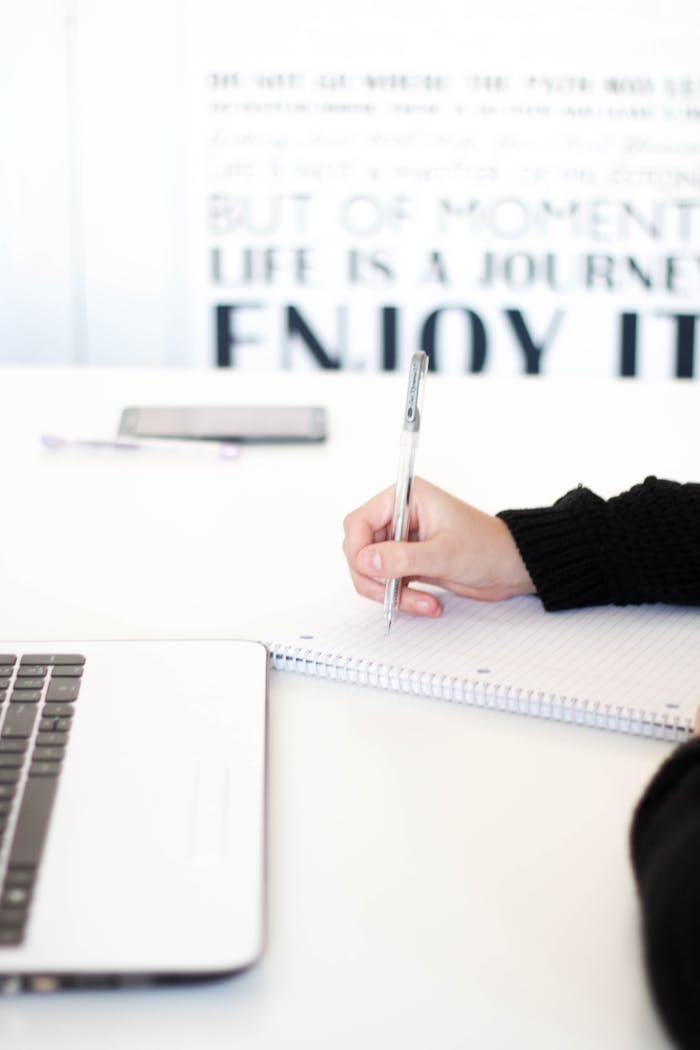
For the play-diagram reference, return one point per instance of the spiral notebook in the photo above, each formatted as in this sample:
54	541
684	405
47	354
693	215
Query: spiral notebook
632	669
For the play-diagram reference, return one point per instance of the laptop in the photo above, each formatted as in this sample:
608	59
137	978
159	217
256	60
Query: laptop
132	811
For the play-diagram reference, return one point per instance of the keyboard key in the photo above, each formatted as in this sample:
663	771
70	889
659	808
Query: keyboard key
16	896
12	915
59	710
11	761
12	746
66	671
48	754
32	671
65	690
29	683
50	739
27	696
44	769
9	937
53	659
20	876
19	721
9	776
33	821
7	791
6	659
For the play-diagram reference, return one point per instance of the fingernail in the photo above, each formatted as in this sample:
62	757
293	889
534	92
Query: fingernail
371	561
424	605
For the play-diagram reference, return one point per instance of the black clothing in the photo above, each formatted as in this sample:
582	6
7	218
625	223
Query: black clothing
665	848
641	546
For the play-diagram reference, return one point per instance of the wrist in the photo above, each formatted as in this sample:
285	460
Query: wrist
513	570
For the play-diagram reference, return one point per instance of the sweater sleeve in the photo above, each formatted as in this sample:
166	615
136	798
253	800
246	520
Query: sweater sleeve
641	546
665	851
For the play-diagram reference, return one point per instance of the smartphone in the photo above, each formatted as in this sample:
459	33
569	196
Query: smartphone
261	423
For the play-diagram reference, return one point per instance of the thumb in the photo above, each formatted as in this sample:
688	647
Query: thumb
399	559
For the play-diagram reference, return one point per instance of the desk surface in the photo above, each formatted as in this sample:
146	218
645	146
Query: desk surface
438	876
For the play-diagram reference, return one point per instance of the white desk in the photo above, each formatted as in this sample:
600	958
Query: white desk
438	876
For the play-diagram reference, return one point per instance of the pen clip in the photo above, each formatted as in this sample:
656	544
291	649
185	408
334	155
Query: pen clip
414	395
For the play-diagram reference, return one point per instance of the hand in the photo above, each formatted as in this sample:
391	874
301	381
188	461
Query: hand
451	544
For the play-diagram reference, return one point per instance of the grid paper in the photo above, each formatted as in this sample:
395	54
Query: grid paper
638	663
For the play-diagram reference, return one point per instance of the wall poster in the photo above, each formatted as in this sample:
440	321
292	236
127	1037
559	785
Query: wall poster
509	209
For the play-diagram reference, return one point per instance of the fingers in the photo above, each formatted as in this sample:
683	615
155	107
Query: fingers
368	523
372	521
400	560
364	546
454	545
412	600
419	603
371	524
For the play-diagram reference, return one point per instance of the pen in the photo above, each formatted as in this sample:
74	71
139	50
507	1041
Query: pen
216	449
410	433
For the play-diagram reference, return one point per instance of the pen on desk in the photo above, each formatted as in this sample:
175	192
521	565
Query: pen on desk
215	449
410	433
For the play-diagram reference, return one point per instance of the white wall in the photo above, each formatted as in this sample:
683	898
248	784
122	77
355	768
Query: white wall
130	155
91	192
36	245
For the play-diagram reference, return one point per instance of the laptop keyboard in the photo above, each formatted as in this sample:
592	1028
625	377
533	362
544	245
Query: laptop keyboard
37	697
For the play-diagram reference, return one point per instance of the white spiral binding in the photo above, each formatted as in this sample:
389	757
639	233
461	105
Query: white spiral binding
478	692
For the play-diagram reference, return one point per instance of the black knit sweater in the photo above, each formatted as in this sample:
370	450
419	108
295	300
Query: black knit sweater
665	849
641	546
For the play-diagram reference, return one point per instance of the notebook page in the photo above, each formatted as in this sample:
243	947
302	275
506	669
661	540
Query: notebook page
644	658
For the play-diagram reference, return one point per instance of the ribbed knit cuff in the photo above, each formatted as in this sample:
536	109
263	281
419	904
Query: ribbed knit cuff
562	565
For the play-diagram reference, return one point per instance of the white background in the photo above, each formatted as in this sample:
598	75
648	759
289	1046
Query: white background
109	152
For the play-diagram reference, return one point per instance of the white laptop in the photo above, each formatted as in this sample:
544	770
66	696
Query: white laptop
132	811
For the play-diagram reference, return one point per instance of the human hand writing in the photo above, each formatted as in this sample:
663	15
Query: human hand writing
451	544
